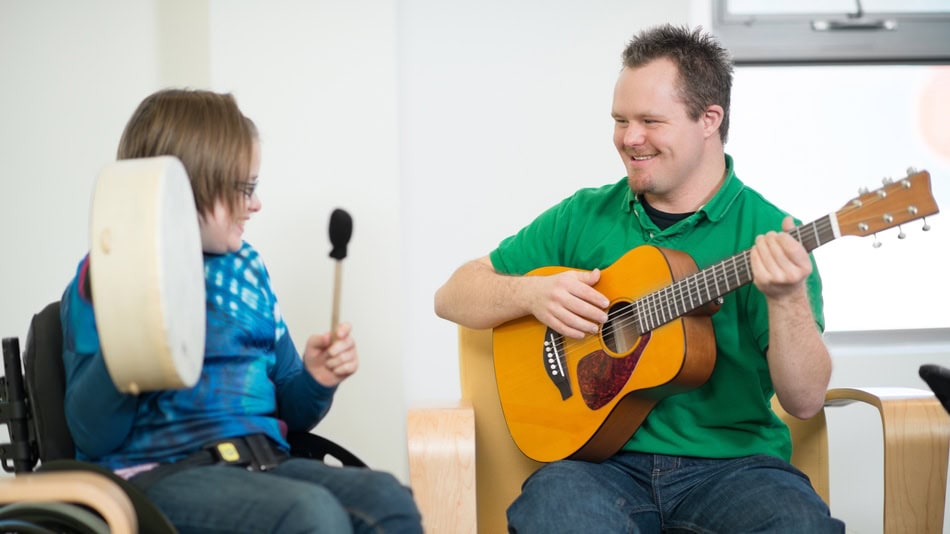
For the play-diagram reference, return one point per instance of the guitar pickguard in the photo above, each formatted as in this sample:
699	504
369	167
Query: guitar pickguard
601	376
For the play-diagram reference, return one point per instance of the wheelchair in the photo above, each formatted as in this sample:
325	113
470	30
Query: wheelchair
51	491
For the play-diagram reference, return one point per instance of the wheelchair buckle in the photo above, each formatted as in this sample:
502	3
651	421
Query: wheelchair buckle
228	452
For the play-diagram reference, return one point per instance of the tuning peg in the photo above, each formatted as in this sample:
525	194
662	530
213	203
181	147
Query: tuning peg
926	226
862	191
887	180
911	170
900	234
877	244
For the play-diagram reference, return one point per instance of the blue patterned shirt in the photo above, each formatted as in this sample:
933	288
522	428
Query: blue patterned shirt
251	372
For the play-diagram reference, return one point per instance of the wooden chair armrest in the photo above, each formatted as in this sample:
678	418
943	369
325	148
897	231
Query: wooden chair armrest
89	489
442	466
916	443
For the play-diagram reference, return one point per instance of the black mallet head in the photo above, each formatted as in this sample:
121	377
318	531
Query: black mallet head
341	228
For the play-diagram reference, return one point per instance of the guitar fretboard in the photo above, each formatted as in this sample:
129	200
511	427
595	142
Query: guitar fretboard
710	284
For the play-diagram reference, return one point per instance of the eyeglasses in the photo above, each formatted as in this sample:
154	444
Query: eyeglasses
247	188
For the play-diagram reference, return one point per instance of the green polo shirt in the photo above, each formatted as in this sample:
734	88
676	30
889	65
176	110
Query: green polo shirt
730	415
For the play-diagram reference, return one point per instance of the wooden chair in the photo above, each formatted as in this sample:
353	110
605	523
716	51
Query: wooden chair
465	469
84	488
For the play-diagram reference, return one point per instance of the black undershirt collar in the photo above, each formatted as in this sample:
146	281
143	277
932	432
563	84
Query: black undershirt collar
662	219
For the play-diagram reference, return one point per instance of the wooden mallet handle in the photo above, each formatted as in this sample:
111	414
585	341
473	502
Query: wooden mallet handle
341	228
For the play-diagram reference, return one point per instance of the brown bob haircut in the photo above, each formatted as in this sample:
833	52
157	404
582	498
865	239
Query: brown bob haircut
206	131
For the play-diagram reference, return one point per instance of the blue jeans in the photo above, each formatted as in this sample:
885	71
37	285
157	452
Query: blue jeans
300	495
644	493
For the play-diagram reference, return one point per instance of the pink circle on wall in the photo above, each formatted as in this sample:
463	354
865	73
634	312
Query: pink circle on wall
935	111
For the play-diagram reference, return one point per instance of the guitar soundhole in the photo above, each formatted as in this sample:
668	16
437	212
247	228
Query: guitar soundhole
620	332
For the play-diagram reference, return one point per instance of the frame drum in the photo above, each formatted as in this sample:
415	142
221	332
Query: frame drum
147	274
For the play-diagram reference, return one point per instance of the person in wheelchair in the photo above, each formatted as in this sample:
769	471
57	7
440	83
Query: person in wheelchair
213	457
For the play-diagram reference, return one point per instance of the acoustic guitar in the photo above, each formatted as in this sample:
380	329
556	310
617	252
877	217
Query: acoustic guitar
584	398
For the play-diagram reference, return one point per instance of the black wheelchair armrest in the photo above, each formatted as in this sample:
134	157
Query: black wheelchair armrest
307	445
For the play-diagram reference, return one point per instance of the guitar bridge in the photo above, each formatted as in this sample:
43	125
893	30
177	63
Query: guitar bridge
555	362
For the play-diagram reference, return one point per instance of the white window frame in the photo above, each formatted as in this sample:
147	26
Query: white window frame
823	38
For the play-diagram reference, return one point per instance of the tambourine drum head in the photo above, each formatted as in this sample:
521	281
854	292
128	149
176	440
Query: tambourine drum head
147	275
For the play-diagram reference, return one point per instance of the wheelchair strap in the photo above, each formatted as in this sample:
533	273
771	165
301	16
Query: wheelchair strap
254	453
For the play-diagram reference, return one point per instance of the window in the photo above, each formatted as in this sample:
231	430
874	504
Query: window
762	32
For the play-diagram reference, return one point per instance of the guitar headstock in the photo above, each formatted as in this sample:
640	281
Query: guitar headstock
901	201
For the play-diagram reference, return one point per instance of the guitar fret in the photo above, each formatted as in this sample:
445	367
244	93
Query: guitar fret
656	312
706	282
682	301
697	290
692	304
671	304
721	274
644	323
725	277
645	317
715	281
735	270
674	310
669	311
638	305
664	304
646	314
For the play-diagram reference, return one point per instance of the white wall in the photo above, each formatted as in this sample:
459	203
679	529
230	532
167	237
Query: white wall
441	126
68	88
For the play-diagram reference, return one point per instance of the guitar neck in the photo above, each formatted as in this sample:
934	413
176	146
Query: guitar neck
712	283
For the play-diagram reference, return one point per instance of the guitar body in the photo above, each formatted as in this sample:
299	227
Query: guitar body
583	399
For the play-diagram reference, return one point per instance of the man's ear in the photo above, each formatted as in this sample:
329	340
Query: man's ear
711	119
